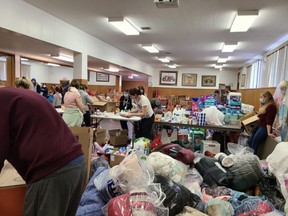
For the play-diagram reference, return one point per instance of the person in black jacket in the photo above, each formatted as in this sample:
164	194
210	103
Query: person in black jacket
125	105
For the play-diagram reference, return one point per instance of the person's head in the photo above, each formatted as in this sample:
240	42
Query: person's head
75	83
157	102
23	83
33	80
266	98
57	89
283	87
216	92
44	85
83	87
126	93
142	90
134	93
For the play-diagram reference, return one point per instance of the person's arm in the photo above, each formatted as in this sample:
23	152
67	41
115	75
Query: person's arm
89	99
79	103
140	114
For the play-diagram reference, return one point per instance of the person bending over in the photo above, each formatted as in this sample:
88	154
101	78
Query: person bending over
41	147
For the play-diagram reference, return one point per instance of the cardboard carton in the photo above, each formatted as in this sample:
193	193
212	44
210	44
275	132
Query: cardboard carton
85	137
108	106
211	145
118	137
116	159
100	135
250	123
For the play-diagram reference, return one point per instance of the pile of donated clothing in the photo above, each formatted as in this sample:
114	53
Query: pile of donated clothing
178	182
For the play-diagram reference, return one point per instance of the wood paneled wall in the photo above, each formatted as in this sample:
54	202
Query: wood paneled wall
163	92
252	96
134	84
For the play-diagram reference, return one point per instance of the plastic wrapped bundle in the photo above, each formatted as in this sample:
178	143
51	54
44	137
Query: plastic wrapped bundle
177	196
217	207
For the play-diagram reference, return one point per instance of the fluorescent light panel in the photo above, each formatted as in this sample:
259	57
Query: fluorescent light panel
150	48
172	65
163	59
52	64
229	47
222	60
218	66
243	20
64	58
123	25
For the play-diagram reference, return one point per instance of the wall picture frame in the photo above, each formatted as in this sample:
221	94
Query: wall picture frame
102	77
243	80
208	81
189	79
168	78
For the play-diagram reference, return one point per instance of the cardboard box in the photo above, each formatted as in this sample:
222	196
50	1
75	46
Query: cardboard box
250	123
100	135
211	145
85	137
118	137
116	159
108	106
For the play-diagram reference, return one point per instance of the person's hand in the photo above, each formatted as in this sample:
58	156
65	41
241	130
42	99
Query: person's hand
271	135
128	114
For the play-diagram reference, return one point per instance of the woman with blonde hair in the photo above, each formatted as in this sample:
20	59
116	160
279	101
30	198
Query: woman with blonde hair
266	115
23	83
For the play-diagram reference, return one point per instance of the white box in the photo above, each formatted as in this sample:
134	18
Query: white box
211	145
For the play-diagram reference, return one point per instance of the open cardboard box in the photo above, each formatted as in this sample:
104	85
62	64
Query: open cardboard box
85	137
118	137
250	123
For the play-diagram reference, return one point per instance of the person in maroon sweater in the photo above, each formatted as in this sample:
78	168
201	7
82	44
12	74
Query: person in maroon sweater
266	115
41	147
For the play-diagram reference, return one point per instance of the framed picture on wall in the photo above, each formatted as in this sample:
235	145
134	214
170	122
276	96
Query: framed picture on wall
243	80
208	81
102	77
168	78
189	79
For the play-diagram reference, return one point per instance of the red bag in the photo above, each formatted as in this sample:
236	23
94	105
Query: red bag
155	143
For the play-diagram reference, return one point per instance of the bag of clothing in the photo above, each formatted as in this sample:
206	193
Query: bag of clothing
177	196
213	173
179	153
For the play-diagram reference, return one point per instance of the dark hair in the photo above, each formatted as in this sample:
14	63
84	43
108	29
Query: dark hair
75	83
57	89
83	87
141	88
216	92
268	95
134	91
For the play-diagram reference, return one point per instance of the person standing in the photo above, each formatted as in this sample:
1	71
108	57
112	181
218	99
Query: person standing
266	115
86	100
73	113
125	105
36	86
145	111
38	143
57	98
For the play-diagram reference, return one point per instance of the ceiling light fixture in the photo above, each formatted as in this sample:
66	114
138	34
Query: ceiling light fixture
63	57
136	75
218	66
243	20
150	48
163	59
222	60
123	25
52	64
229	47
24	59
112	69
172	65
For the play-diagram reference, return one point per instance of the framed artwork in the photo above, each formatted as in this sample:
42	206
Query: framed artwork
102	77
209	81
189	79
168	78
243	80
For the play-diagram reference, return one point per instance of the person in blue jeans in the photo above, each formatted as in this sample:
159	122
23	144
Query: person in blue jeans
266	115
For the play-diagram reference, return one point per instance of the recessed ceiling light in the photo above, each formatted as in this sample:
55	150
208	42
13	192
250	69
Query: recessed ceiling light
243	20
229	47
63	57
52	64
163	59
222	60
150	48
172	65
123	25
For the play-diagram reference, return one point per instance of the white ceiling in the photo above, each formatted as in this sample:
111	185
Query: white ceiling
191	35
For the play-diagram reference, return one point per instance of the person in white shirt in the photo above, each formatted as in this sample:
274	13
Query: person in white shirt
145	111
